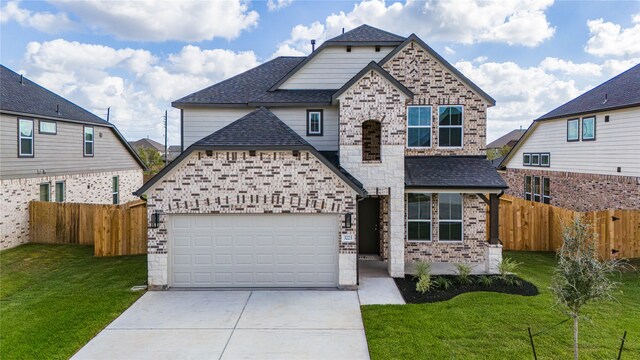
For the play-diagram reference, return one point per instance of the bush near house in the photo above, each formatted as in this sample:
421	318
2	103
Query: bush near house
55	298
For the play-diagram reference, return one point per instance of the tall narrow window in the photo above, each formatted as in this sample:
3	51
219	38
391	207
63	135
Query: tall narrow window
419	126
573	128
536	188
527	187
371	133
116	189
450	215
546	190
419	217
45	192
88	141
314	122
25	138
450	126
60	191
589	128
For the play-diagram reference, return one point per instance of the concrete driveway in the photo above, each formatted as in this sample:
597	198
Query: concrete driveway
235	325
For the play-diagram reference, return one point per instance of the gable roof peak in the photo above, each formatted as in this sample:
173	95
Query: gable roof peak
372	66
366	33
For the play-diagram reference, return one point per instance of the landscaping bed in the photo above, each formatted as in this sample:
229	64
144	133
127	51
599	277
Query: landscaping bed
407	287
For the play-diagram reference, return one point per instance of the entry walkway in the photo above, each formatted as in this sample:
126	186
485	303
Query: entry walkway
376	286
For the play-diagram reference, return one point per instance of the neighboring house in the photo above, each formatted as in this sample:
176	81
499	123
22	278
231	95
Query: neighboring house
146	143
583	155
174	152
499	147
373	146
54	150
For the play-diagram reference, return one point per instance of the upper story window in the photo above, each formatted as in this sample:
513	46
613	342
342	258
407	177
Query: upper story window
371	134
450	126
48	127
314	123
539	159
450	214
419	217
88	141
589	128
573	128
419	126
25	138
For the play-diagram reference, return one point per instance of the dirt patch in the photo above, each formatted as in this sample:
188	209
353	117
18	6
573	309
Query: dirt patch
407	287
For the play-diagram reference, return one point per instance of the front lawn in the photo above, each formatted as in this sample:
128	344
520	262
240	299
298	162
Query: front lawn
494	326
55	298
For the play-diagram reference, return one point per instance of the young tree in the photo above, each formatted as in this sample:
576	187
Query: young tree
151	158
580	277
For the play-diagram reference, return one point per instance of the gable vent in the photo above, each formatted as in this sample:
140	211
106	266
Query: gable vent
348	48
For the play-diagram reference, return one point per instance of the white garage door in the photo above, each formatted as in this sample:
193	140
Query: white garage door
279	250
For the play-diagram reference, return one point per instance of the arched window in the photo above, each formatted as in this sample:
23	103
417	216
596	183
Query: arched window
371	133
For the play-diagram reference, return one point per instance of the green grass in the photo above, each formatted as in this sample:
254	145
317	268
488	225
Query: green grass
55	298
494	326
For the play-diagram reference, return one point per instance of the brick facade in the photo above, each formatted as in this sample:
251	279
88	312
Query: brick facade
580	192
92	188
234	182
432	84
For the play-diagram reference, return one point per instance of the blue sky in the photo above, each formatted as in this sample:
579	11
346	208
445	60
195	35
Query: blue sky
136	57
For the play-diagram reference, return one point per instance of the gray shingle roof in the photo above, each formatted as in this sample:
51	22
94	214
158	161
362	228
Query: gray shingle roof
513	135
260	128
147	144
366	33
30	98
618	92
243	88
467	172
294	96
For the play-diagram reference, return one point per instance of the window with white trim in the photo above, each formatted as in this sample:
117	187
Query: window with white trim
537	187
419	217
45	192
314	122
450	217
419	126
546	190
115	186
526	159
88	141
450	126
25	138
60	191
48	127
527	187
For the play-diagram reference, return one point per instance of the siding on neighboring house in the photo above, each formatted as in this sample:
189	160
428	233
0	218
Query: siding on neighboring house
201	122
617	144
334	66
61	154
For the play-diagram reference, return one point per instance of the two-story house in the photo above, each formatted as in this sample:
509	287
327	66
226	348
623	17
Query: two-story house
585	154
54	150
373	146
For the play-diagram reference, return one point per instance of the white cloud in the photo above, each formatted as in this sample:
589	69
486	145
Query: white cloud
274	5
135	84
449	51
169	20
299	43
513	22
41	21
480	59
609	39
525	93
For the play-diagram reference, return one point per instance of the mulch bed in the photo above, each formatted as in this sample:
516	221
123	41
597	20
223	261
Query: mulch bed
407	287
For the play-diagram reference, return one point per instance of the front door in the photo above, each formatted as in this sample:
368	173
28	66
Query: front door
368	231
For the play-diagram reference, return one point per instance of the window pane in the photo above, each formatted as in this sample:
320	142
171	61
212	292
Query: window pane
414	116
526	159
536	187
572	129
88	134
527	184
455	114
588	128
450	137
443	116
527	196
419	206
115	184
44	192
425	116
26	128
546	187
88	148
419	231
450	231
419	137
544	159
26	146
60	192
413	207
535	159
47	127
450	206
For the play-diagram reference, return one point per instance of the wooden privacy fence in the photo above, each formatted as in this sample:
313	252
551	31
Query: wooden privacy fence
527	225
112	229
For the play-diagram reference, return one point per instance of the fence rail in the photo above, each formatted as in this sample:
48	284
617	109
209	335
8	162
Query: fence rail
532	226
112	229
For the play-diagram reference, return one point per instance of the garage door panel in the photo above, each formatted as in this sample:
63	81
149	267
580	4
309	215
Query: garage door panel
276	250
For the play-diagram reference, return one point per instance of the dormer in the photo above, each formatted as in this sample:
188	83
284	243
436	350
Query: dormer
338	59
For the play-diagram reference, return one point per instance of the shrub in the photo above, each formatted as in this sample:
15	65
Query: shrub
485	280
422	268
442	282
507	268
424	284
464	273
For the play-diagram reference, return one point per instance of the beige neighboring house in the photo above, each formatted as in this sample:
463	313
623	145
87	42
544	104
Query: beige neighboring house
371	148
583	155
54	150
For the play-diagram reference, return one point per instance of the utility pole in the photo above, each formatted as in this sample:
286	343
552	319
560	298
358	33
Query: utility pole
165	139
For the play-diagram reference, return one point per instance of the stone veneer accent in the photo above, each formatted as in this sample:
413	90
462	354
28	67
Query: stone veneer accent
470	250
91	188
234	182
432	84
373	97
580	192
